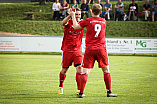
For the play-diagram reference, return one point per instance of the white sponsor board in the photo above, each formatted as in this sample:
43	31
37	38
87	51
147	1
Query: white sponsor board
145	46
33	44
131	45
53	44
119	45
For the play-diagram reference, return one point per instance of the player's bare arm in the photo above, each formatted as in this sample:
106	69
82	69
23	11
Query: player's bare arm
65	20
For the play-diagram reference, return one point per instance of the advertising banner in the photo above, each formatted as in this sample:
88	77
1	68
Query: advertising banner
10	44
145	45
120	45
31	44
53	44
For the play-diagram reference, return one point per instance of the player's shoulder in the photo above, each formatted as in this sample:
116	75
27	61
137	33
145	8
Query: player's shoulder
80	20
70	21
103	20
95	20
87	19
98	19
84	20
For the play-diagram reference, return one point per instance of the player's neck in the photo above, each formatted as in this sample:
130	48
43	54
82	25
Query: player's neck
77	19
95	16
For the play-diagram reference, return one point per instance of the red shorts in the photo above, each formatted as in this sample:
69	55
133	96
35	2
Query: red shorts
69	57
91	55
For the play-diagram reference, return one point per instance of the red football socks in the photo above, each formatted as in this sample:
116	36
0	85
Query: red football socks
78	79
62	78
83	82
107	79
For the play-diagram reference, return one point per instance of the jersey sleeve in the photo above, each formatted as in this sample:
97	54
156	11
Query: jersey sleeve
69	23
83	23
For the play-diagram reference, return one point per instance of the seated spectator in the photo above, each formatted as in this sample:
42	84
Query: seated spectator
154	7
99	2
74	5
84	9
133	9
60	1
146	9
56	7
68	1
108	9
64	7
78	1
90	1
72	1
119	10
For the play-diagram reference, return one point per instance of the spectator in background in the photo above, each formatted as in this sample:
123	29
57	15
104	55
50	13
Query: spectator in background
133	9
67	1
99	2
60	1
102	13
84	9
154	7
108	9
56	7
78	1
90	1
146	9
64	7
72	1
74	5
119	9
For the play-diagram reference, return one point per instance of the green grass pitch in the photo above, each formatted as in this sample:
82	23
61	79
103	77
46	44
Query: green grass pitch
34	79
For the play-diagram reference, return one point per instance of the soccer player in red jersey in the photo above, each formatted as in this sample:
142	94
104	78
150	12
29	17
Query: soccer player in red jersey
95	47
72	50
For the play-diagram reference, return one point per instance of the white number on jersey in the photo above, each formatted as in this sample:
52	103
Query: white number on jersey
97	29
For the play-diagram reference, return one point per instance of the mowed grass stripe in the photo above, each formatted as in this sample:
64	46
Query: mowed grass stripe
34	79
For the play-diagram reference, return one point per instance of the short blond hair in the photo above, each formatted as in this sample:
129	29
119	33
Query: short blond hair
96	9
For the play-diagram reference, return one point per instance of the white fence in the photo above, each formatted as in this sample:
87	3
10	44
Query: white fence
53	44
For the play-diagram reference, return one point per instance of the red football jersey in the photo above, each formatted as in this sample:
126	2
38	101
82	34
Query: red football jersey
72	39
95	35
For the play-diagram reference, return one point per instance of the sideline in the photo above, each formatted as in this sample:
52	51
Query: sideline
5	3
9	34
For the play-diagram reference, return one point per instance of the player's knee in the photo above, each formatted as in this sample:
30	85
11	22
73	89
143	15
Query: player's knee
105	69
64	70
79	69
86	71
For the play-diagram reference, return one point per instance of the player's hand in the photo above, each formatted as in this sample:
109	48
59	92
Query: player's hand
91	11
71	13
